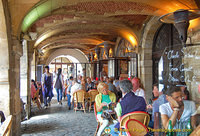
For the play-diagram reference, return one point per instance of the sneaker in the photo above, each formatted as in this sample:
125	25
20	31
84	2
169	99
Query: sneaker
45	107
69	108
60	103
49	104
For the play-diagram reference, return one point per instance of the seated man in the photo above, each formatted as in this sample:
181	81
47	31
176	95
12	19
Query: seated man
129	103
177	110
136	88
89	85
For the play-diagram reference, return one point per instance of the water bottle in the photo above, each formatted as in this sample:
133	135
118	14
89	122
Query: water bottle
170	129
189	128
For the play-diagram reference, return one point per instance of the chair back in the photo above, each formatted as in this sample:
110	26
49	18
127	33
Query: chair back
196	131
36	94
92	94
135	128
79	96
5	129
141	116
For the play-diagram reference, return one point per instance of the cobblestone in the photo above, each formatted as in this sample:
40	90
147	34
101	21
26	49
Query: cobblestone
57	120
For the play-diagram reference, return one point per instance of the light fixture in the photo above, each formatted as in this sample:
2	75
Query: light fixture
180	18
106	47
97	51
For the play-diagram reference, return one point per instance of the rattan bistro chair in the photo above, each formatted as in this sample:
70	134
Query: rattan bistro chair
134	127
141	116
79	97
92	94
98	125
5	129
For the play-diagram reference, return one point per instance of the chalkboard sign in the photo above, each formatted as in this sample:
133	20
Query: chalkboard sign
173	67
176	67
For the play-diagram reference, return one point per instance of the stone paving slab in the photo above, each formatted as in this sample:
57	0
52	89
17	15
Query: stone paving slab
57	120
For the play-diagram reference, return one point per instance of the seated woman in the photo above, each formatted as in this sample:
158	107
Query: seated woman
2	117
35	94
183	86
102	100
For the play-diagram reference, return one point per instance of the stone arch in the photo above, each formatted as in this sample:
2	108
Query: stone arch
149	32
80	56
145	54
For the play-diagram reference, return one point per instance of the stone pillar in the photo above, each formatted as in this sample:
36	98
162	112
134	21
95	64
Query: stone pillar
15	85
25	77
32	59
10	52
4	64
145	64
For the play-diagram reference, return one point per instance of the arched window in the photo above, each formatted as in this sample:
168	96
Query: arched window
166	55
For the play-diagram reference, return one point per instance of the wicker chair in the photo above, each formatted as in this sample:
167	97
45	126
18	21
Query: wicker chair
98	125
141	116
36	99
79	97
92	94
135	128
5	129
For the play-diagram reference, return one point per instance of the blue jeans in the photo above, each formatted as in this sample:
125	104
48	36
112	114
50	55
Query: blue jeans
45	100
69	100
59	94
114	131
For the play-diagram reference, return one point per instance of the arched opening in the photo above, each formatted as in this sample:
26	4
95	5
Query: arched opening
69	65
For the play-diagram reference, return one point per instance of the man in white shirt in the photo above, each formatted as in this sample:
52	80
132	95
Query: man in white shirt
136	88
177	110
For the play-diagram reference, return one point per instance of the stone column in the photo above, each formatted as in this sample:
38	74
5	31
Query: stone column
145	66
15	85
25	77
32	54
4	64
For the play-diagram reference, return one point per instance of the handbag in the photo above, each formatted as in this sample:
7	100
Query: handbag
106	115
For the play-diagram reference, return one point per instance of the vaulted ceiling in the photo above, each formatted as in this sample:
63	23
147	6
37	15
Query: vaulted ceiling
83	24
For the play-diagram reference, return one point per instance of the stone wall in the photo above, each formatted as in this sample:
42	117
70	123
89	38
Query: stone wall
191	62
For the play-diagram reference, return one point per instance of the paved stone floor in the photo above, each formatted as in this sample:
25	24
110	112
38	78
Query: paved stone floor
57	120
